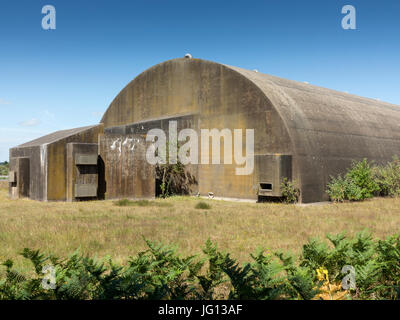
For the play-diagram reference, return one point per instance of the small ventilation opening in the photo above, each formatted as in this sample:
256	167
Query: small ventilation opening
266	186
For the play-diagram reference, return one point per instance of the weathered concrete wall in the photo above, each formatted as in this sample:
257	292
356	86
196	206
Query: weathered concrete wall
141	128
47	161
36	165
220	98
57	161
323	130
127	173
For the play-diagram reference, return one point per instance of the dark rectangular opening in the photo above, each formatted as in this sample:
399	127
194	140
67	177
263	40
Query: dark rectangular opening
158	188
266	186
23	177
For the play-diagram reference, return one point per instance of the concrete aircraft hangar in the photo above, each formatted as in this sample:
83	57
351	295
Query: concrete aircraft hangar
301	132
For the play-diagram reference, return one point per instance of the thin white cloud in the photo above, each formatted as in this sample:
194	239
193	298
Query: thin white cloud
48	115
4	102
30	123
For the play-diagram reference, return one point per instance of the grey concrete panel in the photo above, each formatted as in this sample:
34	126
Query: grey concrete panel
85	190
86	159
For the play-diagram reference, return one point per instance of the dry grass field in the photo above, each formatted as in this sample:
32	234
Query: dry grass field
102	228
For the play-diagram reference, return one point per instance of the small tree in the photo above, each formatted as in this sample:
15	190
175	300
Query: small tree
175	178
362	176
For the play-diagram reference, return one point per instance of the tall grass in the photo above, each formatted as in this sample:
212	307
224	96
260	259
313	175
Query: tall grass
141	203
203	205
103	228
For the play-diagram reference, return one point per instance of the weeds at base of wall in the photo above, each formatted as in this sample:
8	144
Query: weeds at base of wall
290	191
365	180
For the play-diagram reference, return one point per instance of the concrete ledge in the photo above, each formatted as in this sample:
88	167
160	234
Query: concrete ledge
322	203
229	199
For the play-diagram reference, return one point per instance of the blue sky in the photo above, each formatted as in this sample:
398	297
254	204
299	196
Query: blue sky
66	78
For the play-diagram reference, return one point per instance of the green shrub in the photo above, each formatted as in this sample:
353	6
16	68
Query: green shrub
203	205
290	193
341	189
388	178
358	252
361	174
376	263
161	273
358	183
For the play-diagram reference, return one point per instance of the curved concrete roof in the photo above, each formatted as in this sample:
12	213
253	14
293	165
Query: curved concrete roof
315	115
327	128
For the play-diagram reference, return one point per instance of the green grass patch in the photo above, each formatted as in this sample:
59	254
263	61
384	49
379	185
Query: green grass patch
203	205
141	203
